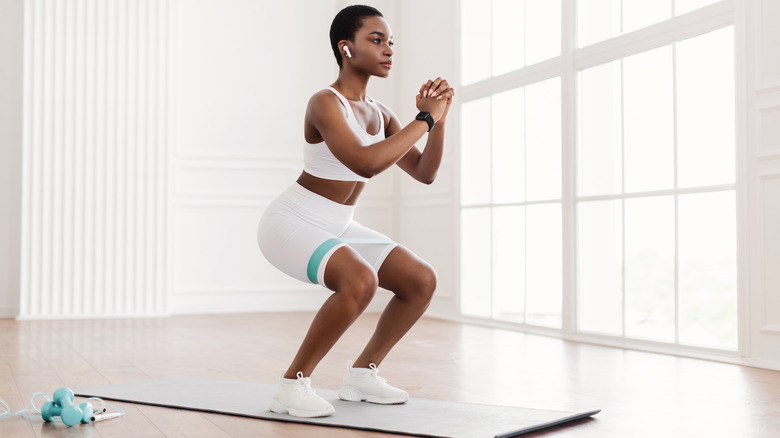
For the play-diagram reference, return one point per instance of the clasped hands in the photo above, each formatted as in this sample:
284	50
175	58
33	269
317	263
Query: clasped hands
435	97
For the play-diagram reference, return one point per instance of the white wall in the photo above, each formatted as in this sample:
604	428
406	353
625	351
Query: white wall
760	210
428	45
11	73
246	77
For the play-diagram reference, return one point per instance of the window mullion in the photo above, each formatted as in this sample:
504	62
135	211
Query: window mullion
568	163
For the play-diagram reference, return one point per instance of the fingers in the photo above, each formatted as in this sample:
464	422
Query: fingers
433	88
425	90
438	87
446	94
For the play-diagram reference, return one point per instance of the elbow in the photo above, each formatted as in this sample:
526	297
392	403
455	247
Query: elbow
427	179
366	170
364	173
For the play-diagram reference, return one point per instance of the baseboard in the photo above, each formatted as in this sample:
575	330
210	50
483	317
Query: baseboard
87	316
8	312
762	363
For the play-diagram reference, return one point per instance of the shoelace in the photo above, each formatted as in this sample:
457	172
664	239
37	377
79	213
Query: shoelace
304	386
375	374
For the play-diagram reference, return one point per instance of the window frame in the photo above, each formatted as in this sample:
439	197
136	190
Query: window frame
567	66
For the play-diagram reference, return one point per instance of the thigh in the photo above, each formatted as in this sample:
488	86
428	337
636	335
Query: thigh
345	265
404	273
291	244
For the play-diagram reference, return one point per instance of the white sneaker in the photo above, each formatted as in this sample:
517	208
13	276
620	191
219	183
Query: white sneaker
364	384
299	400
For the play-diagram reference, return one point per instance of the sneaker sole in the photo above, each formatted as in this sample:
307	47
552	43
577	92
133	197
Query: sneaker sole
279	408
349	393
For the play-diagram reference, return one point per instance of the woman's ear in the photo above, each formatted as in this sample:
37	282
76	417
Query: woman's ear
344	48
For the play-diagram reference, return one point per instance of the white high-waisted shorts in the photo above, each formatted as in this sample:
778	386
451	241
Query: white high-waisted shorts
300	230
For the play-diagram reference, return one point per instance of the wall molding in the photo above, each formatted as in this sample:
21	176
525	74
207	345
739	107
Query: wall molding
766	326
768	88
222	201
426	202
292	300
762	110
770	329
222	160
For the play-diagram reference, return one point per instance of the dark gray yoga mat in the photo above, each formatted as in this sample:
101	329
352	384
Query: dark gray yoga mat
420	417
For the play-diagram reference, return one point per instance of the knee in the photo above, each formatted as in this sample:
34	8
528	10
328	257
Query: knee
361	287
426	284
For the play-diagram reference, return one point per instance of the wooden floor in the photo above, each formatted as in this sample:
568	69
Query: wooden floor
640	394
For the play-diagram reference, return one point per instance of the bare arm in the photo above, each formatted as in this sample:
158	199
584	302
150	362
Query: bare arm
424	166
326	114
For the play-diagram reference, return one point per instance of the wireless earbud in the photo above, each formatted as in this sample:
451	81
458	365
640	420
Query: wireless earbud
346	50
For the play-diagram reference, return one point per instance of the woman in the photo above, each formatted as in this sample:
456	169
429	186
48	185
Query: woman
308	231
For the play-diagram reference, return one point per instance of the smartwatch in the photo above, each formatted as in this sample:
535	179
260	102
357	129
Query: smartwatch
425	115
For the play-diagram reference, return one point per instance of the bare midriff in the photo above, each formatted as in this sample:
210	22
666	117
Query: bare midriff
343	192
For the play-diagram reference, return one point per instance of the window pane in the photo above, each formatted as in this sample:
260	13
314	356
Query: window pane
475	41
475	152
600	263
683	6
708	269
508	38
705	109
598	20
543	140
475	262
543	264
642	13
509	263
648	120
599	148
508	136
650	250
542	30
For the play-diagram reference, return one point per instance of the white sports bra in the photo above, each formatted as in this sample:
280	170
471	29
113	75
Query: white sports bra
319	161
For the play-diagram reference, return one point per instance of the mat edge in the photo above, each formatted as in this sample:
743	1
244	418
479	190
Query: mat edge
549	424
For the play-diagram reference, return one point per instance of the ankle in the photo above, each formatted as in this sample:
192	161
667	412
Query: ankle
361	364
293	375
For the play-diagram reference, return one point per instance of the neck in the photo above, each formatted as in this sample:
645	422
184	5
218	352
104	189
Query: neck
352	84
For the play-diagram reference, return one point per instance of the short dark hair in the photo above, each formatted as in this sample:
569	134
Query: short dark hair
346	24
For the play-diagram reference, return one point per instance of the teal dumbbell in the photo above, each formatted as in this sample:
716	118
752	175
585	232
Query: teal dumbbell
62	406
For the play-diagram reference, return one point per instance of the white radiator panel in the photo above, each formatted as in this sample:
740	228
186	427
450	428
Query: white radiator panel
98	104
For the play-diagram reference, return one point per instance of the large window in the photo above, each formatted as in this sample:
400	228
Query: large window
647	218
599	20
500	36
511	197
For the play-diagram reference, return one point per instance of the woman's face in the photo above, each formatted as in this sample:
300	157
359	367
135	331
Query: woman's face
372	50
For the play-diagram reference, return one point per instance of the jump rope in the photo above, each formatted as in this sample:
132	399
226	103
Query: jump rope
61	408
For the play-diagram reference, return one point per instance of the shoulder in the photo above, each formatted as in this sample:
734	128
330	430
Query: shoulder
323	102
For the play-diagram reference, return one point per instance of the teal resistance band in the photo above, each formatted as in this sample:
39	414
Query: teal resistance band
319	253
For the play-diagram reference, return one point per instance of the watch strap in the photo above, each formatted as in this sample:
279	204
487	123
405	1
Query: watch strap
425	115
